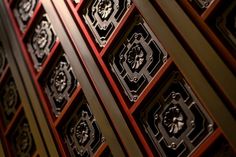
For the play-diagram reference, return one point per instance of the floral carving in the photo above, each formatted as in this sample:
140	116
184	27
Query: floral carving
41	41
174	120
136	57
82	132
60	84
60	81
23	11
103	16
22	139
41	37
105	8
24	8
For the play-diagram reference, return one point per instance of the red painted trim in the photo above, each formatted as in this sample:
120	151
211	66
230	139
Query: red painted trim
151	84
207	143
54	51
32	20
13	121
70	104
4	74
100	150
210	9
222	51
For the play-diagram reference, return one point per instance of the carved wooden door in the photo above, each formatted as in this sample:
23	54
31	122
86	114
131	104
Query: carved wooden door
124	77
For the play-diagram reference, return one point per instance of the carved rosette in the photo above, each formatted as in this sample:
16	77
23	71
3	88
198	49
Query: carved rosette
60	84
22	139
226	24
10	100
81	132
3	60
136	59
23	11
103	16
174	119
41	41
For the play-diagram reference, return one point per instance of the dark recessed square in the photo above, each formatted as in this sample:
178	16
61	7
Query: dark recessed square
103	16
40	40
223	22
81	132
9	100
60	84
173	119
21	139
135	60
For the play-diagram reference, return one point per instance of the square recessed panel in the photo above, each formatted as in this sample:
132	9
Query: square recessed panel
23	11
225	23
3	60
41	40
9	100
60	84
136	59
103	16
21	139
220	148
81	132
174	119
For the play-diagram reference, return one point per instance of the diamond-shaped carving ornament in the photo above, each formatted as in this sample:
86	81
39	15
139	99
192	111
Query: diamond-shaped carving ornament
9	100
60	84
174	119
22	139
81	132
136	59
103	16
23	11
41	41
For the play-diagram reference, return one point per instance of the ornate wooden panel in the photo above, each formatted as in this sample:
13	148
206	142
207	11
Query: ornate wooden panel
174	119
60	84
9	99
120	78
41	41
21	138
23	11
15	131
81	132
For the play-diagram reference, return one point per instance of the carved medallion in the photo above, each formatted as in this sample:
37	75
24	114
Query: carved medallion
41	41
81	132
174	119
23	11
103	16
22	139
60	84
226	24
9	99
136	59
